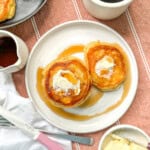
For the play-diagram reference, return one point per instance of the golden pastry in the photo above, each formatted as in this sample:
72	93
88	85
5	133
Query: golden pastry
7	9
106	65
67	82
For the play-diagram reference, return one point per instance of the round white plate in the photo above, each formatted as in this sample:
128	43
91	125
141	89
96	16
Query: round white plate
53	43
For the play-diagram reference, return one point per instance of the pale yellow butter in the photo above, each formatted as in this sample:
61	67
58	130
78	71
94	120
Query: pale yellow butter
106	63
118	143
62	84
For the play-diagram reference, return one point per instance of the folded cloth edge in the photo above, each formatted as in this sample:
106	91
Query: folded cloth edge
23	107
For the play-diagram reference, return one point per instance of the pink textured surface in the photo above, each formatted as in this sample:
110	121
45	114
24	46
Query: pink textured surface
134	26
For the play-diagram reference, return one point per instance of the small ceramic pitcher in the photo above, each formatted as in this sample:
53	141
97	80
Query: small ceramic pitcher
21	52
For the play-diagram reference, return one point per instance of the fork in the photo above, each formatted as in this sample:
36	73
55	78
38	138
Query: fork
74	138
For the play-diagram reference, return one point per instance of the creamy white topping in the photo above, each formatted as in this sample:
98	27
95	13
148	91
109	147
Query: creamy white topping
61	83
106	63
116	142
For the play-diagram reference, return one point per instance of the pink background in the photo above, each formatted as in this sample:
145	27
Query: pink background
133	25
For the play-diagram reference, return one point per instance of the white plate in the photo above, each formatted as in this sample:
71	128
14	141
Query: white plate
48	48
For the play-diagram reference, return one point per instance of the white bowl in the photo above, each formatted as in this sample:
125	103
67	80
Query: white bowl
129	132
105	10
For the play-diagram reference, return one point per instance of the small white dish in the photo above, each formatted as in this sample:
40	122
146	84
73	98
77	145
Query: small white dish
105	10
129	132
21	52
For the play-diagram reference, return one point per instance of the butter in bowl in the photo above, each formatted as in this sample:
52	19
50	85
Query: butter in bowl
124	137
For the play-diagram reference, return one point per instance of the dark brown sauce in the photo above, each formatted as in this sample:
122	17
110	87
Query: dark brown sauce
8	54
95	94
111	1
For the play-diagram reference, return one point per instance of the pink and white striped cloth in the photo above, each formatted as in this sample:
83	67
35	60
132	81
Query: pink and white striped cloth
133	25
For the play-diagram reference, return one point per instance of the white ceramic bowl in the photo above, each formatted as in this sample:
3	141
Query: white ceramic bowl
127	131
105	10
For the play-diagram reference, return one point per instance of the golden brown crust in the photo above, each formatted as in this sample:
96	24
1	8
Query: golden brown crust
109	60
7	9
74	71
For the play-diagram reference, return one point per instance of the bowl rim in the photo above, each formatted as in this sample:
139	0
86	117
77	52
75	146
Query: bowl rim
118	127
112	5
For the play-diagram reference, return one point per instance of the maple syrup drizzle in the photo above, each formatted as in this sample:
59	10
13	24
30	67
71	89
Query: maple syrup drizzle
94	97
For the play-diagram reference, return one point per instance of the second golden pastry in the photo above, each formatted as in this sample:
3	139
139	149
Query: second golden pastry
106	64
